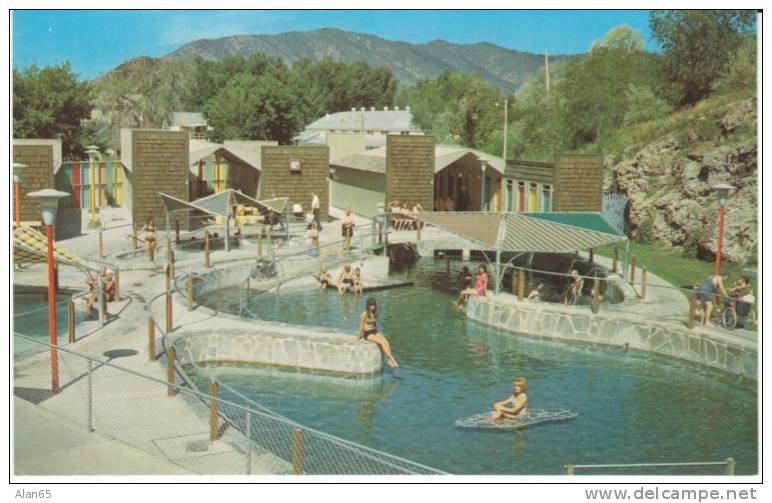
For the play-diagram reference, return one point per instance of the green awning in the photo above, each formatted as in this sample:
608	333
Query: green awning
582	220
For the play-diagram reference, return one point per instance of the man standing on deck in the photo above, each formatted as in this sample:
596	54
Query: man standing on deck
315	210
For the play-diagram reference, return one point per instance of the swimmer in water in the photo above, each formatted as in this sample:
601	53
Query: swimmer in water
518	401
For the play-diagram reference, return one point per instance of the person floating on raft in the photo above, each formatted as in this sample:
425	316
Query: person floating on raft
518	400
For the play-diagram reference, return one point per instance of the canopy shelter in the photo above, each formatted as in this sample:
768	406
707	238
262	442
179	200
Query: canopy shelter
221	205
526	232
31	247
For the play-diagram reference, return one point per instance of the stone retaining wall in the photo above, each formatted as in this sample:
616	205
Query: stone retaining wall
729	354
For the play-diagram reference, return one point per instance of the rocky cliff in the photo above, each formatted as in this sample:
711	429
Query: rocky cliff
668	181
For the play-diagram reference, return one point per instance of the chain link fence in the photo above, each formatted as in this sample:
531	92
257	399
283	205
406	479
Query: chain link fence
198	432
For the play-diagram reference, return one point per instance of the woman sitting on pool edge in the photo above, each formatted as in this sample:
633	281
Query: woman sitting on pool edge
346	279
368	330
480	287
518	399
325	279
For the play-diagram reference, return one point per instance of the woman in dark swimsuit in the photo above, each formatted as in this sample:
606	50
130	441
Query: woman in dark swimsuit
368	330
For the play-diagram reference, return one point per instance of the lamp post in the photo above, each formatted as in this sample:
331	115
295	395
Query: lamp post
723	190
49	203
483	167
92	152
18	168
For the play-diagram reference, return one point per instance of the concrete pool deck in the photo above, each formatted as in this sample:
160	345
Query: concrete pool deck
160	438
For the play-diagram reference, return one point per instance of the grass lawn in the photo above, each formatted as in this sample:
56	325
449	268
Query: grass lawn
674	268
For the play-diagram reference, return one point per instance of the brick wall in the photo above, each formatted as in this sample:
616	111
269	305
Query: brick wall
578	182
38	175
159	163
410	170
277	181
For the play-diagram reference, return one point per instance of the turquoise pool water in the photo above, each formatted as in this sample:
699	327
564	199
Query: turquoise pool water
30	317
632	408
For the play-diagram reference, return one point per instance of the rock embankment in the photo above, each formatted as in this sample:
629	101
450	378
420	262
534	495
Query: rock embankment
668	184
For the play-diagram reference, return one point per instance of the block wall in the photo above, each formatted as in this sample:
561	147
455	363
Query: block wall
578	183
38	175
276	180
410	170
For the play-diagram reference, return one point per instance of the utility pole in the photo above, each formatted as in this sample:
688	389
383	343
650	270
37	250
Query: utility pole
506	107
547	69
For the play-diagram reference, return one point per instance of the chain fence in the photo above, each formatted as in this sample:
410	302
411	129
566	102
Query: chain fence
194	431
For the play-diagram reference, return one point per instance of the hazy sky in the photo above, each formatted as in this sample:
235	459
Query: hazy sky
97	41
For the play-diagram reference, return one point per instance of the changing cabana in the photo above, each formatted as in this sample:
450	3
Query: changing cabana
220	205
527	232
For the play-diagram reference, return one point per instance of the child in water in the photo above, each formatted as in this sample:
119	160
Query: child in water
518	400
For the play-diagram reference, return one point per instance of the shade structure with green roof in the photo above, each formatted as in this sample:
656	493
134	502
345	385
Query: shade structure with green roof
526	232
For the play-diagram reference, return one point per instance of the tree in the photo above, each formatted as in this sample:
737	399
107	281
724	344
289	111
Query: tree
697	45
740	71
252	108
621	37
643	105
50	102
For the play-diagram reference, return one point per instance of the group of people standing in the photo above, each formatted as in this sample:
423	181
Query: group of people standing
461	203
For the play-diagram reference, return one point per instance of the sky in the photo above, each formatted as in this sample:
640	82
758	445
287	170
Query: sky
95	41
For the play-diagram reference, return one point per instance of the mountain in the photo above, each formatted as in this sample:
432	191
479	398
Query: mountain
505	68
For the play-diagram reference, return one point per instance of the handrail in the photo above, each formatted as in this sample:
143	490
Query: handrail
729	464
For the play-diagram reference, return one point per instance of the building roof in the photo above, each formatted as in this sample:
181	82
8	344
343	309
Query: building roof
367	120
188	119
244	153
522	232
444	155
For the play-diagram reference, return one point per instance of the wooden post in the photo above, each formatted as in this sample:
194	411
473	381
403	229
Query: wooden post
169	323
297	451
150	339
596	296
592	256
206	248
520	285
570	469
692	308
177	230
632	271
134	237
268	242
214	427
101	244
168	276
348	238
644	280
190	291
171	354
117	276
260	245
418	230
70	321
514	283
615	263
730	465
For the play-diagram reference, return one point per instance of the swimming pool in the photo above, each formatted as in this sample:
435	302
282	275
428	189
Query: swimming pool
632	408
30	317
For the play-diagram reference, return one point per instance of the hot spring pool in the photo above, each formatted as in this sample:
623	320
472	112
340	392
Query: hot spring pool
632	408
30	317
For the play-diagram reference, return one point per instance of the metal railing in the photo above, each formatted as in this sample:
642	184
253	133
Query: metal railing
199	432
728	464
310	451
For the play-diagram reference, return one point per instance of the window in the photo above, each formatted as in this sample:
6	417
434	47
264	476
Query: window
521	196
546	198
533	198
509	195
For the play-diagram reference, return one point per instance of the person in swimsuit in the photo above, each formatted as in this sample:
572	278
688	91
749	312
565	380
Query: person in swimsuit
518	401
358	281
150	238
325	279
575	290
480	287
368	330
93	283
535	294
705	292
346	279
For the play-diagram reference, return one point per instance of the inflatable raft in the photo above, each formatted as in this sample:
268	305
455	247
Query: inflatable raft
534	416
